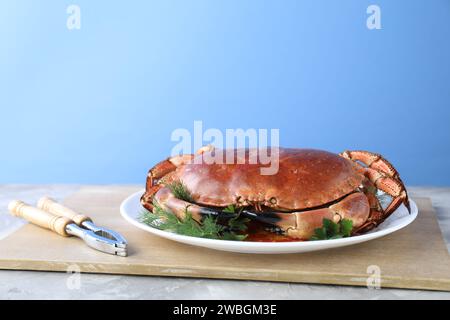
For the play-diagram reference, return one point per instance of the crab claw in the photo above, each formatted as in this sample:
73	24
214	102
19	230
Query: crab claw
301	225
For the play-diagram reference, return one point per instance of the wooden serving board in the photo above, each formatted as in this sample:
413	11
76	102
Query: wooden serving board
415	257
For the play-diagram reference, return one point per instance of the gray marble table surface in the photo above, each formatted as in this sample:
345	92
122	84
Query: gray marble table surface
55	285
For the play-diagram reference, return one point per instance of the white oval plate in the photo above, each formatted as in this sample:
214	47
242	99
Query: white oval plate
131	208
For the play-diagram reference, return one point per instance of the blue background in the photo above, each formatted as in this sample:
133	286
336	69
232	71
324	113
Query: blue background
98	105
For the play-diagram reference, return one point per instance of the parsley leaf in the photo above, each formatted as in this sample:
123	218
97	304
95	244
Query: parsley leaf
332	230
230	209
346	227
237	223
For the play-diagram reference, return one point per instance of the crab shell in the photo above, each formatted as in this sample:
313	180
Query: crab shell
305	178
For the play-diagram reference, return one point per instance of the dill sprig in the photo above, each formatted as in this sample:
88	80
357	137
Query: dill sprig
209	228
180	191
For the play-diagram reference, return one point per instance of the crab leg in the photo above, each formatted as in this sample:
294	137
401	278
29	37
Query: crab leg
161	170
392	187
376	215
147	197
165	167
372	160
383	175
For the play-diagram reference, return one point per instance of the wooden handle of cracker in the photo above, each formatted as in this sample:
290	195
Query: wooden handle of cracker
39	217
50	205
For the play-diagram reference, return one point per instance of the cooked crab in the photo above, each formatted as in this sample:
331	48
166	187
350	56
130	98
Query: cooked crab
310	185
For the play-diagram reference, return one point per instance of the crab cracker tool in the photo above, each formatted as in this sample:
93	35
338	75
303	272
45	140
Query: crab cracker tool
53	216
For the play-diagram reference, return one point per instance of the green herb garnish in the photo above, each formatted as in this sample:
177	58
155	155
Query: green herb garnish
230	209
332	230
209	228
237	223
180	191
